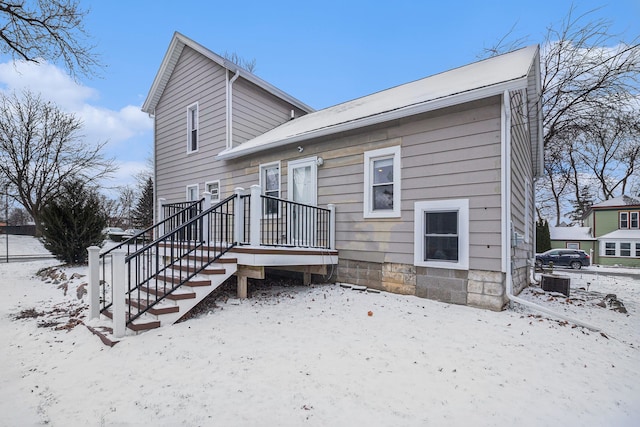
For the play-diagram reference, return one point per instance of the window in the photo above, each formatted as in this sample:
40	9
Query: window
610	249
192	128
634	219
270	184
624	219
382	183
625	249
573	245
193	192
441	234
213	187
638	250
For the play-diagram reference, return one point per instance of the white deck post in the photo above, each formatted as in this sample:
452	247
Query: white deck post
238	222
93	290
119	293
206	205
160	218
332	225
255	215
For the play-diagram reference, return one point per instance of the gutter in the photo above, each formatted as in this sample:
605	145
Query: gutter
507	230
229	116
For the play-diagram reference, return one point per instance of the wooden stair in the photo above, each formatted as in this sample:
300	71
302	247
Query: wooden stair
179	301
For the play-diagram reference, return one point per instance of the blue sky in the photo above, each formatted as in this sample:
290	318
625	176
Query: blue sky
323	53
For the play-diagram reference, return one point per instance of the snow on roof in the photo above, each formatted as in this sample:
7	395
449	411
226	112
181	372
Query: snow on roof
570	233
618	202
474	81
622	235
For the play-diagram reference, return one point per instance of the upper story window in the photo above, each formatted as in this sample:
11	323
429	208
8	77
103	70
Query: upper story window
634	220
192	128
624	220
270	184
382	183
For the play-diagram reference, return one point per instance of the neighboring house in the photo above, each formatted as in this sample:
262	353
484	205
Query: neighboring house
573	238
432	181
615	224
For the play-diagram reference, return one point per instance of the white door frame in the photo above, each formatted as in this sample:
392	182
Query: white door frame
312	200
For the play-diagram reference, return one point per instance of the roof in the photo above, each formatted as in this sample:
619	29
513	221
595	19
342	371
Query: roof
616	202
570	233
474	81
622	235
178	42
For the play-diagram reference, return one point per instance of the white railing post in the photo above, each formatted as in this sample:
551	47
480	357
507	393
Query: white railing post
206	205
255	216
238	213
332	225
119	293
93	290
160	218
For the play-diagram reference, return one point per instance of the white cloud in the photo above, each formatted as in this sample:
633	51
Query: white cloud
127	131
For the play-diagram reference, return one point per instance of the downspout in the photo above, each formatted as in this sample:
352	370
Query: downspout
229	100
505	185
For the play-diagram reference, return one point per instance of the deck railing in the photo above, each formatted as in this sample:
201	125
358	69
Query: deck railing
146	270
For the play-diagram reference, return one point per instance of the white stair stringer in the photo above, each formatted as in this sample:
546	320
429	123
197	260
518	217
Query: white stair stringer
201	292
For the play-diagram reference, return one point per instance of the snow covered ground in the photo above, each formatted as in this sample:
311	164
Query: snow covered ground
322	355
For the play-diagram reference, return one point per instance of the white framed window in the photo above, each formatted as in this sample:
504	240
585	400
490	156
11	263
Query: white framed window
441	234
270	184
192	128
624	220
610	248
625	249
638	249
193	192
382	183
213	188
634	220
573	245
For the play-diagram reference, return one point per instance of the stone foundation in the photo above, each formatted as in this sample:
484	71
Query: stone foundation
477	288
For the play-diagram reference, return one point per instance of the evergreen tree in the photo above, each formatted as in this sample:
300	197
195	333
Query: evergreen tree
143	211
72	222
543	236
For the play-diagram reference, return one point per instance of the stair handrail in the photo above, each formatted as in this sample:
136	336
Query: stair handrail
221	214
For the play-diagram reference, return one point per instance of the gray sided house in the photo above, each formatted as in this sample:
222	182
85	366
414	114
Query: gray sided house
429	184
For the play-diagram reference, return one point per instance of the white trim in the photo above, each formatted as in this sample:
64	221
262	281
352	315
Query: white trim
263	188
193	107
462	208
369	158
308	161
197	187
206	188
505	186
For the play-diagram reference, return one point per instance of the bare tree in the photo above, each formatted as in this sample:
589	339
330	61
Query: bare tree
41	147
47	29
249	65
586	70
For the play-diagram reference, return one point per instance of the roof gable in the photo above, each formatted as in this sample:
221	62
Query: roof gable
618	202
474	81
178	42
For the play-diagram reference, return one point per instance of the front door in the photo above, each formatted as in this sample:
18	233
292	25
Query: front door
302	188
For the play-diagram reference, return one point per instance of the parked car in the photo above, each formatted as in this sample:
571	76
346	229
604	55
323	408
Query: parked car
573	258
113	233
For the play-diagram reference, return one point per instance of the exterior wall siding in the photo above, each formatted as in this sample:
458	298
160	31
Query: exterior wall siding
452	153
198	79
